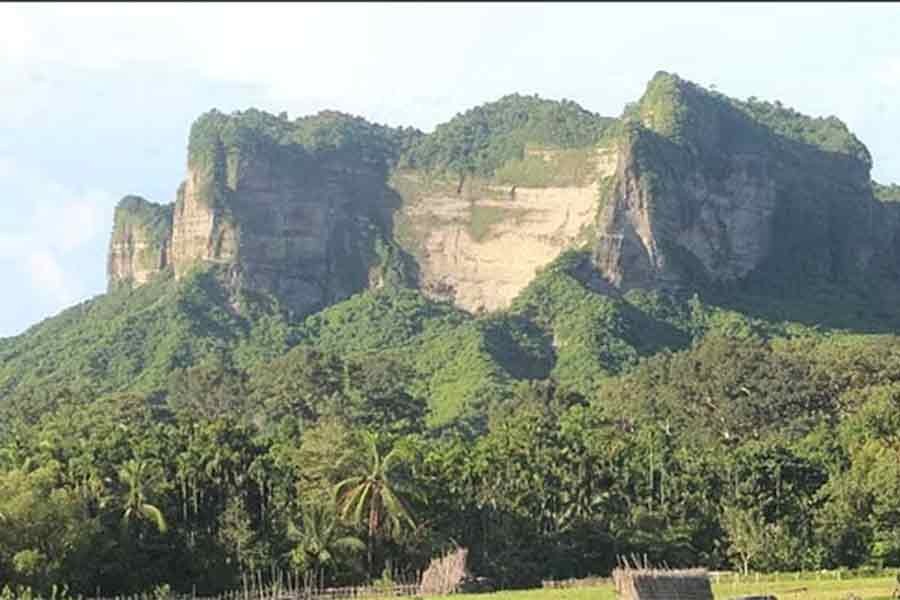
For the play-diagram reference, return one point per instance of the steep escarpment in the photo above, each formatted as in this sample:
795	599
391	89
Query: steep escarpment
316	209
689	189
298	210
710	190
139	245
480	244
499	192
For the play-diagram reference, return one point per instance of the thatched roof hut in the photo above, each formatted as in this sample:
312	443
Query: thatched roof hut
446	574
662	584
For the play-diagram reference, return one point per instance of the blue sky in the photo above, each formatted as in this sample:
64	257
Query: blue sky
96	100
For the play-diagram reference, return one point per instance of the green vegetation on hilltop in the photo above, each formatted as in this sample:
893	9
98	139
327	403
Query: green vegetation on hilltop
380	320
681	110
328	134
542	168
887	193
828	133
477	142
134	339
663	106
155	219
594	336
460	363
483	139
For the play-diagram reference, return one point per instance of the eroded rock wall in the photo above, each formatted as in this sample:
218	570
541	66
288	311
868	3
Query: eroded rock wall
139	245
724	199
480	246
200	232
302	229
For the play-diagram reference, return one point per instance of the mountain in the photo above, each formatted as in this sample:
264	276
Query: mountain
525	239
714	190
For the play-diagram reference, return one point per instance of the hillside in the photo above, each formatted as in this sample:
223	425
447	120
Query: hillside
551	337
357	239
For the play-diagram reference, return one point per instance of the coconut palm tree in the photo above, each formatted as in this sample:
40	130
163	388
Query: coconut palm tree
374	496
138	476
319	543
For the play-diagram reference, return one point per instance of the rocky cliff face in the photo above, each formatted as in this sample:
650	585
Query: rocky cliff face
706	191
689	189
280	220
313	227
480	245
139	246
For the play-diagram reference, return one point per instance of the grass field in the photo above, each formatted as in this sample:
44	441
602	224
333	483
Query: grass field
804	589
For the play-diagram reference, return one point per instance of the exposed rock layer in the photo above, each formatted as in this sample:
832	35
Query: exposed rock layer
727	199
482	266
139	246
693	191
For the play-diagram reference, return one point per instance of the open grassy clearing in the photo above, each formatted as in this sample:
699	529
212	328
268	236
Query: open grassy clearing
875	588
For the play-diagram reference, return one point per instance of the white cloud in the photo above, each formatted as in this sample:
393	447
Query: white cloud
15	35
332	55
41	222
380	59
68	221
49	279
888	72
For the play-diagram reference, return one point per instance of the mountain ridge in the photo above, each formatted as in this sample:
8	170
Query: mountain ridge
288	202
328	232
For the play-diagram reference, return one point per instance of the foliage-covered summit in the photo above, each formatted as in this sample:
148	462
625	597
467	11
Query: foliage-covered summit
483	138
886	193
678	108
326	134
156	219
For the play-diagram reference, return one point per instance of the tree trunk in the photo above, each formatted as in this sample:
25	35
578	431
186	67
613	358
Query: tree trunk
371	542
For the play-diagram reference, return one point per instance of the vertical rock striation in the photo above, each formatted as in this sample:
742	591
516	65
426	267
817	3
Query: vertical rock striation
303	226
139	246
709	190
690	189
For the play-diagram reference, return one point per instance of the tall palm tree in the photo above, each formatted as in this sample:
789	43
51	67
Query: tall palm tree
138	476
320	543
373	496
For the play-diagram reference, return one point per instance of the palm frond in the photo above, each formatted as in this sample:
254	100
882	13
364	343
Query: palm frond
155	516
372	443
396	455
293	534
396	507
341	488
349	544
126	518
361	502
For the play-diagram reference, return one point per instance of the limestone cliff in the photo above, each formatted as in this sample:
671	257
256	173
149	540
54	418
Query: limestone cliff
478	246
708	190
312	211
301	225
689	189
139	246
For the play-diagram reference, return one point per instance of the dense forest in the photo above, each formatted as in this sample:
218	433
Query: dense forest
749	444
182	433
